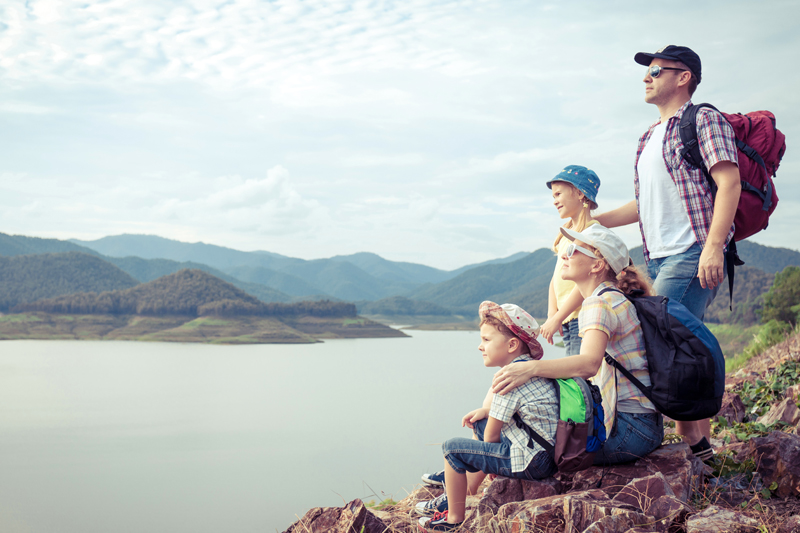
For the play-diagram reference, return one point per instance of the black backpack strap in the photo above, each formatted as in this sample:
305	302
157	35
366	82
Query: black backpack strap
625	372
691	146
533	435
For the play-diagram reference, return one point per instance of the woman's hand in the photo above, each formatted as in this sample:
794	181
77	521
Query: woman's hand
549	328
510	377
473	416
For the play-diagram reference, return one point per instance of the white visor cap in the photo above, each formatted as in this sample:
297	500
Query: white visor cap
606	241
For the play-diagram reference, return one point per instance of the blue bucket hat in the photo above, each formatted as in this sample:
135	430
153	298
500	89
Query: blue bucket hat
582	178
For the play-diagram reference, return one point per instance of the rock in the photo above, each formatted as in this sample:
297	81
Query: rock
533	490
545	514
352	518
642	492
792	392
777	458
670	513
733	409
619	520
681	469
786	411
714	519
790	525
505	490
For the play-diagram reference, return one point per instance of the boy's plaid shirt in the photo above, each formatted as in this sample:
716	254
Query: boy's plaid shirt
537	404
717	143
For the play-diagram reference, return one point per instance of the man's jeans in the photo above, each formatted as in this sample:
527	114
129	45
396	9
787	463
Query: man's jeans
676	278
472	455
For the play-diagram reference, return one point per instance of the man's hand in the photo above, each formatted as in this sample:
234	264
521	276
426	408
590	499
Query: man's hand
710	269
473	416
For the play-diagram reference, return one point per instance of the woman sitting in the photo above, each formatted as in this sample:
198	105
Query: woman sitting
598	262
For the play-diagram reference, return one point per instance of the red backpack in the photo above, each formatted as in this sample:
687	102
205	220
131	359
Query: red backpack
761	146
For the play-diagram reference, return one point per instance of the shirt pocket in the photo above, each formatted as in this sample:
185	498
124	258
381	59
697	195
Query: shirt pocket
672	154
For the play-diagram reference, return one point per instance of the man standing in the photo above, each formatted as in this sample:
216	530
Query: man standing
685	227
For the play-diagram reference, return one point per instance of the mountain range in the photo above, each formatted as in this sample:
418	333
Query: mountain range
377	285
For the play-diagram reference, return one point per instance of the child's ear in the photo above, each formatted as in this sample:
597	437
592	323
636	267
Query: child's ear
513	344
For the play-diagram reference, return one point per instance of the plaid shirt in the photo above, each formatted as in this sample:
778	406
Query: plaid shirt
717	143
537	404
615	316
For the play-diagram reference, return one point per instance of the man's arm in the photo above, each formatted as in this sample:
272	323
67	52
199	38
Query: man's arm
726	176
621	216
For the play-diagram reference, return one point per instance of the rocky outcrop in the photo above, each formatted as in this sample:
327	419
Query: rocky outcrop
680	468
717	520
352	518
733	409
785	411
777	458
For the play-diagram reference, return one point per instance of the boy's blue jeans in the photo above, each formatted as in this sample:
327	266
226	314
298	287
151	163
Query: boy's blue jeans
469	455
676	278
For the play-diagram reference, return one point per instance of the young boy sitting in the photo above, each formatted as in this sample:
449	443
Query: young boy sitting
500	447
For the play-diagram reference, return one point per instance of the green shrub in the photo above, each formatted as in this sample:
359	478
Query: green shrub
782	297
768	335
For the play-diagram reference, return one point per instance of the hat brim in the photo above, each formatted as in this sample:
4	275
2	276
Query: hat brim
573	235
643	58
488	308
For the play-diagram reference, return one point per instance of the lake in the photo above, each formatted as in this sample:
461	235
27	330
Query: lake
112	436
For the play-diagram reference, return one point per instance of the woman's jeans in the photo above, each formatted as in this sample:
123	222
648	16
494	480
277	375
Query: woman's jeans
634	436
569	334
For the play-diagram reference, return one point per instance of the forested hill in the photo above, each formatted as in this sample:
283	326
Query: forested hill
11	245
26	278
187	293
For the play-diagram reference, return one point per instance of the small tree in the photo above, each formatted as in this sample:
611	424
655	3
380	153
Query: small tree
782	296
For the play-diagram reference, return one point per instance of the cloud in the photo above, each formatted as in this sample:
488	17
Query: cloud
421	130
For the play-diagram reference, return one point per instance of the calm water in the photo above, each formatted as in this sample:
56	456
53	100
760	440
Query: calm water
132	437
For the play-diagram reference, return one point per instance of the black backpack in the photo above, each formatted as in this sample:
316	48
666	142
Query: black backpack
686	364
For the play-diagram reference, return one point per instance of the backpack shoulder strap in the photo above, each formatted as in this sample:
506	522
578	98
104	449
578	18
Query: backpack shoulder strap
691	146
625	372
533	435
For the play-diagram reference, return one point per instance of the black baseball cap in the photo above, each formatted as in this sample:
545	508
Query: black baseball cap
673	53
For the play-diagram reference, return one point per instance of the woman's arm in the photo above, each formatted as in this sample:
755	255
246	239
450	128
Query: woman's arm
584	365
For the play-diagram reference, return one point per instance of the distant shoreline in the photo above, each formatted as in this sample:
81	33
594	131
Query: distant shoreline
170	328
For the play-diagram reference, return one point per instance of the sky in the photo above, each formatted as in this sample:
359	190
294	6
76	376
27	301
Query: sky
420	130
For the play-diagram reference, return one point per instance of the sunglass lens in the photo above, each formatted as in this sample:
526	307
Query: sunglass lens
655	70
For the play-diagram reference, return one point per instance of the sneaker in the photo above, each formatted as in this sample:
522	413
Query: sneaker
703	450
436	479
431	507
437	523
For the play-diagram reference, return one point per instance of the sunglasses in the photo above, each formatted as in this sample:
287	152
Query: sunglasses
573	247
655	70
